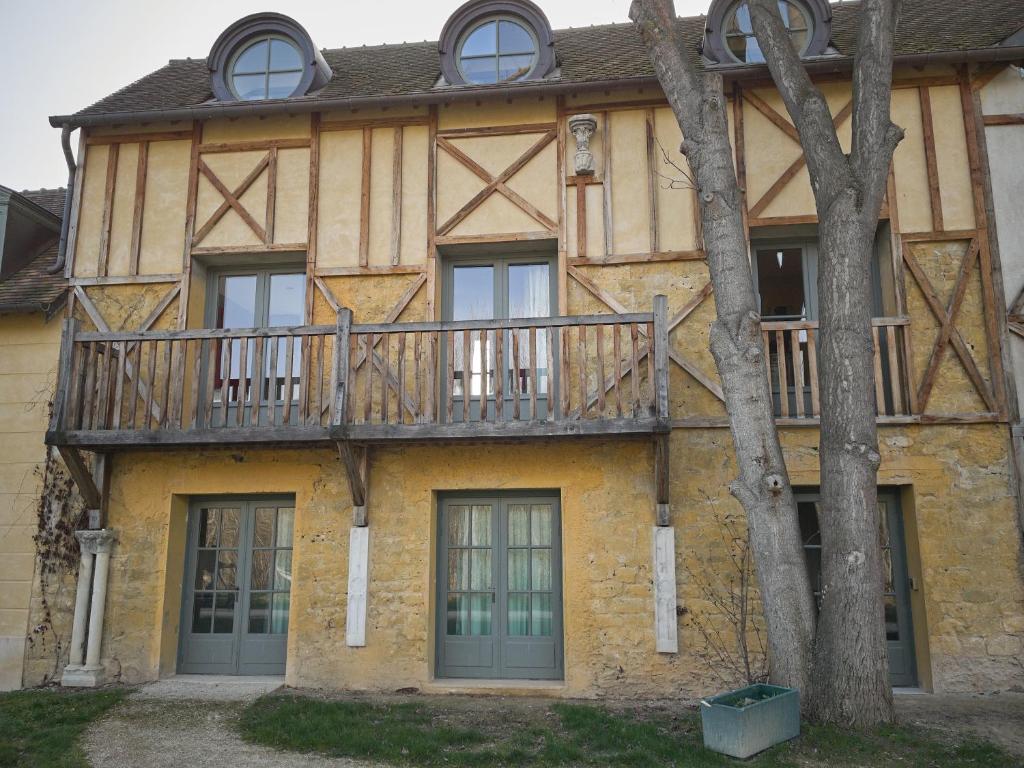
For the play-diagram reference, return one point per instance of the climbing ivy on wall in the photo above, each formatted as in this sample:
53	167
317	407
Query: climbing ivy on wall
59	513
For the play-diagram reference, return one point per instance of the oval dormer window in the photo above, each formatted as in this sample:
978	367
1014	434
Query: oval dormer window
493	42
739	33
269	68
729	31
498	50
265	56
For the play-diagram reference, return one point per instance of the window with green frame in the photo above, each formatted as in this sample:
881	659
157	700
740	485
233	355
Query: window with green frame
491	288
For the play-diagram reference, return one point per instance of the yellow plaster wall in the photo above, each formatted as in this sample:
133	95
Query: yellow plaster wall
338	219
29	346
951	157
90	214
163	232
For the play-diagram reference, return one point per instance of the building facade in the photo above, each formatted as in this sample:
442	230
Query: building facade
388	367
32	300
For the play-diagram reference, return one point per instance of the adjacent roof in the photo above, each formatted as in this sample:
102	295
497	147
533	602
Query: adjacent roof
50	199
32	288
611	52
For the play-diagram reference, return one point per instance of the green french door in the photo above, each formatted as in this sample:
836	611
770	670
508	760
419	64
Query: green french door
237	590
499	587
899	625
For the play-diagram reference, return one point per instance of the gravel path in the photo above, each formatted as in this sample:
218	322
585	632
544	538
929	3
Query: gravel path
172	724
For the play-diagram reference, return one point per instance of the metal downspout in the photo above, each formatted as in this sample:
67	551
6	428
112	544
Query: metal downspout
65	222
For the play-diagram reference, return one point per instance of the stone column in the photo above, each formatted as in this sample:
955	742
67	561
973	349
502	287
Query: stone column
77	651
95	546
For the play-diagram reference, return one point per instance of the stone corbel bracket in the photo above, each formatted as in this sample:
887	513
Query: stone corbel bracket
582	128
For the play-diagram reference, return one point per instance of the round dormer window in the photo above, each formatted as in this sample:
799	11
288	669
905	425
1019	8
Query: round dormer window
739	32
497	51
491	42
265	56
729	33
267	68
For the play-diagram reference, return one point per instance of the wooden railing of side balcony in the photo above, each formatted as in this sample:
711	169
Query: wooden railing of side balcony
790	348
479	378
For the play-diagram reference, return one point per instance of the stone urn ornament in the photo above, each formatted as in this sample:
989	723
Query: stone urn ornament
583	127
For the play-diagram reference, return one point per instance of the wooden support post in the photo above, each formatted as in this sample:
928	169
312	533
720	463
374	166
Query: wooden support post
65	370
342	354
356	461
661	478
660	342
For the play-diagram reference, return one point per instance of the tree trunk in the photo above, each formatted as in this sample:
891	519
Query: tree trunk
851	670
763	487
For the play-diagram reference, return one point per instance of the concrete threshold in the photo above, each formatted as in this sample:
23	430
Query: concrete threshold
211	687
495	687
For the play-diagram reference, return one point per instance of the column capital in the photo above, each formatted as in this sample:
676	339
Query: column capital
96	542
582	128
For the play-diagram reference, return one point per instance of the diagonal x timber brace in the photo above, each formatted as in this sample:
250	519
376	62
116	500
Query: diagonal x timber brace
357	466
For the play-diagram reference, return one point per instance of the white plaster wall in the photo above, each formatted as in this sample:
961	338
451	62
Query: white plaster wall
1005	95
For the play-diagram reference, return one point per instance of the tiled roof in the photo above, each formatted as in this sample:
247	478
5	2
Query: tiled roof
32	288
599	53
50	199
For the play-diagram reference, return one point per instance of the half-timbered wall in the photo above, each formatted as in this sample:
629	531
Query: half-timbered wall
375	200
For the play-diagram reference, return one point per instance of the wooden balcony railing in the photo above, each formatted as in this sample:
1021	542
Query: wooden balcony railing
534	376
791	354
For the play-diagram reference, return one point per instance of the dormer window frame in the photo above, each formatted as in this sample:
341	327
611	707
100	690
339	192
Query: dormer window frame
474	15
250	30
715	46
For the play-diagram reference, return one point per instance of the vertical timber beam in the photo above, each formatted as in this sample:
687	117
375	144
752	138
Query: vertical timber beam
432	297
190	223
314	210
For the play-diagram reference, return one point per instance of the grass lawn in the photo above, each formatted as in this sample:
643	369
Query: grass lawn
500	732
41	728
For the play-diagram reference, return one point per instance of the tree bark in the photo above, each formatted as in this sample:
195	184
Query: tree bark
850	669
763	486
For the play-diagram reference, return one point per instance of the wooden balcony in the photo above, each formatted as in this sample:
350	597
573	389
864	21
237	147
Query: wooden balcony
791	353
477	379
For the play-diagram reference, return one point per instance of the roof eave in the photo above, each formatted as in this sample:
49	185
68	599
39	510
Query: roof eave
549	88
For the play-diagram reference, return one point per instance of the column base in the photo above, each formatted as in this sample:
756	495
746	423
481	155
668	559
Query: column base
82	677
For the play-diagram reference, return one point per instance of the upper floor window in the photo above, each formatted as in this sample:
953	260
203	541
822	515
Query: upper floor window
497	51
265	56
729	33
739	32
488	42
269	68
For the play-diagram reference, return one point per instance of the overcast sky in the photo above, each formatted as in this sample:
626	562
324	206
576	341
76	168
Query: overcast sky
67	54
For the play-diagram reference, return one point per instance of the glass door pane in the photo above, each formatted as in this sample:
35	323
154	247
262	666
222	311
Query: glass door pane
286	300
215	581
473	290
528	295
470	570
236	308
530	584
